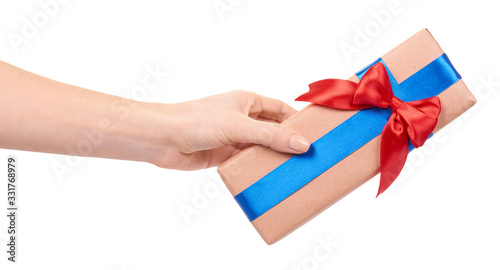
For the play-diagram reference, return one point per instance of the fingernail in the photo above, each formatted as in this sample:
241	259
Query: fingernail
299	143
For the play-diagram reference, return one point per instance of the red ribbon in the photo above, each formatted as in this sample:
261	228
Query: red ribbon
414	120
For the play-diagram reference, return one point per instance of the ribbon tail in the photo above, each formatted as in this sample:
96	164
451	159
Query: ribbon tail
393	151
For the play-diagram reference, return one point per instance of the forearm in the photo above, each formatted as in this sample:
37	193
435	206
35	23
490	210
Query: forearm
42	115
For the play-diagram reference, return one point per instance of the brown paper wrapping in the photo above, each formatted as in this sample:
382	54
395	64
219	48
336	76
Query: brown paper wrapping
252	163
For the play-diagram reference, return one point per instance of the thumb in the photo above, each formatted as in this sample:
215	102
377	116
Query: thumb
273	135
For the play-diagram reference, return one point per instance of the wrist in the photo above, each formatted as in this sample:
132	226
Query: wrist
157	128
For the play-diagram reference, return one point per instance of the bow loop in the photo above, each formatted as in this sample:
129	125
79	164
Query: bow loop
420	118
374	88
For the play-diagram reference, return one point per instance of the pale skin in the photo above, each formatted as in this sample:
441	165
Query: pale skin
42	115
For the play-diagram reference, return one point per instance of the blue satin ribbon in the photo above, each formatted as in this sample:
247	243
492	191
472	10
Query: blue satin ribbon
343	140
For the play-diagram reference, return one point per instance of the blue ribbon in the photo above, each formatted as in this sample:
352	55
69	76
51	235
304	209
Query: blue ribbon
343	140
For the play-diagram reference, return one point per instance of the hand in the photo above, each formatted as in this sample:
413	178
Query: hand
204	133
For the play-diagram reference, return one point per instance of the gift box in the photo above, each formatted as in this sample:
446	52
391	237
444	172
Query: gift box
280	192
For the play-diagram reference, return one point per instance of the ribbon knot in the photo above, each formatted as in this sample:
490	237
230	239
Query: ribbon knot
396	103
410	121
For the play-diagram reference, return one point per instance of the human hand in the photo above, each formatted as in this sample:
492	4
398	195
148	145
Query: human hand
187	136
203	133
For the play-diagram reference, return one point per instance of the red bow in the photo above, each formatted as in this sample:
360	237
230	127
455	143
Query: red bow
414	120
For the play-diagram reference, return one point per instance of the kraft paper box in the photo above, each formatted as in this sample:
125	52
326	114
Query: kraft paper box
314	121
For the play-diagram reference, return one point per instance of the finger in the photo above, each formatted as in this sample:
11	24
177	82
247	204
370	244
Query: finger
273	135
269	108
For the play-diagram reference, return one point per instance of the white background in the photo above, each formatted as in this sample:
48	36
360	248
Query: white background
442	213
